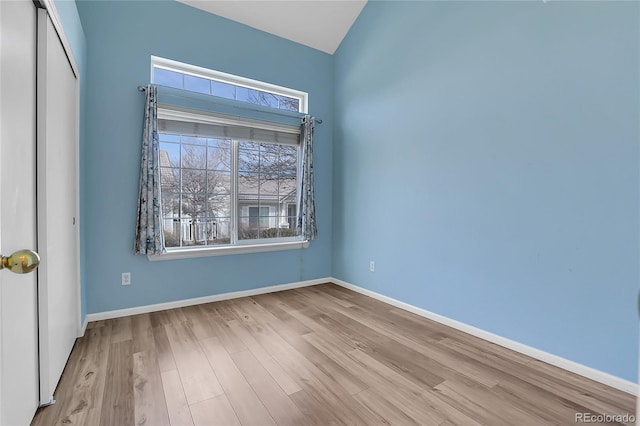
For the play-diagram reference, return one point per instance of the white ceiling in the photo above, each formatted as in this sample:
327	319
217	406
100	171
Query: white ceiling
321	24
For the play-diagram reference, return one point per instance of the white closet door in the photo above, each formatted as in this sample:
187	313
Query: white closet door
58	94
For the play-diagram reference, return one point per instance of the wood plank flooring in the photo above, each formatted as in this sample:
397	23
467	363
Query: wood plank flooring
320	355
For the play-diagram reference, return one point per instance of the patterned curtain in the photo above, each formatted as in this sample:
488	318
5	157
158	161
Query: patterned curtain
306	196
149	236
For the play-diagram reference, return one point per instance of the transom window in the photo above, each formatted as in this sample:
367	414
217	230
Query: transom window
166	72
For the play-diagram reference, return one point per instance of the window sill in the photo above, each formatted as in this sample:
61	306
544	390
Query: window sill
223	251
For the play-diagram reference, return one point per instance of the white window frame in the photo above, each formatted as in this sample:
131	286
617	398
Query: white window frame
236	246
222	77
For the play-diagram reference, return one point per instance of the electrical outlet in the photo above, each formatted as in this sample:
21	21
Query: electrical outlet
372	266
126	278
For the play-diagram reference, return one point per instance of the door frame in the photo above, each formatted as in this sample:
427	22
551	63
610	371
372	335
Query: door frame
45	397
0	219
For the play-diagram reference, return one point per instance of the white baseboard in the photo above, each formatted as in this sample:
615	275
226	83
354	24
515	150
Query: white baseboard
583	370
83	327
199	300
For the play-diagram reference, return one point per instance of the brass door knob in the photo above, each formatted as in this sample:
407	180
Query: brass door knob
20	262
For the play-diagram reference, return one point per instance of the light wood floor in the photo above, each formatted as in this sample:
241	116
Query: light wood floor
317	355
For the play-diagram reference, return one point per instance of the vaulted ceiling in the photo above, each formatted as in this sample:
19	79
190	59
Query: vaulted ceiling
320	24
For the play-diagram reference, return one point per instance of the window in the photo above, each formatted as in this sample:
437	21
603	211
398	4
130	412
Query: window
226	181
166	72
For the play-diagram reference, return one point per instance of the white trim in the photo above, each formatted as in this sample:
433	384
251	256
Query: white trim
1	351
83	328
50	5
1	139
236	80
199	300
178	113
235	162
76	218
583	370
41	202
51	401
49	24
227	250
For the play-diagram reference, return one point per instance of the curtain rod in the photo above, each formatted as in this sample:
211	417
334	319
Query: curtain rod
144	89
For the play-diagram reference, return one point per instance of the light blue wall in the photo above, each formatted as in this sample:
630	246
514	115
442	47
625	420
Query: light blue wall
121	37
486	157
75	34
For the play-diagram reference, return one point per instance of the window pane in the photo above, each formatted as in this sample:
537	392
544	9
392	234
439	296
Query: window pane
288	162
219	231
247	231
289	104
167	137
268	227
267	184
266	221
169	179
248	189
269	193
218	182
254	216
206	231
219	143
194	157
169	154
288	196
194	206
242	94
255	224
171	217
170	204
202	231
267	99
194	181
197	84
218	206
167	78
219	156
270	161
171	232
248	157
193	231
193	140
292	219
248	145
223	90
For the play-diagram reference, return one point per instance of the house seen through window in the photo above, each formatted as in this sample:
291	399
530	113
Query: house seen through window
226	181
